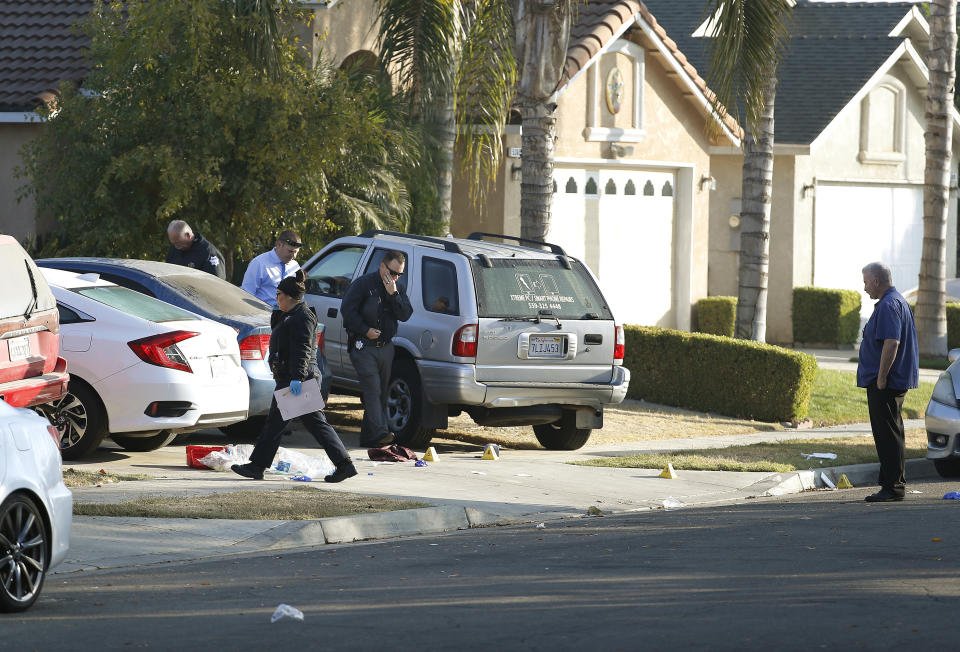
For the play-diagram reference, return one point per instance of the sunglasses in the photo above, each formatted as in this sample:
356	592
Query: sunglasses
392	273
295	245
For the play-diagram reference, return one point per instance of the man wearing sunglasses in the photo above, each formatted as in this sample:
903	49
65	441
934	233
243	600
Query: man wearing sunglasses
371	308
265	272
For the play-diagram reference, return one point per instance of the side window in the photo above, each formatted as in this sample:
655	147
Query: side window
68	315
374	263
440	286
331	275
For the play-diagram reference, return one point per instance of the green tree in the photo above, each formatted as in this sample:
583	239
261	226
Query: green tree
180	118
748	41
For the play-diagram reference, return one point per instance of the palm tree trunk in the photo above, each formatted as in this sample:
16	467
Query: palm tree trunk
536	185
931	311
447	135
755	222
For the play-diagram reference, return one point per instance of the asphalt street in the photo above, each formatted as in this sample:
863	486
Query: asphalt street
817	570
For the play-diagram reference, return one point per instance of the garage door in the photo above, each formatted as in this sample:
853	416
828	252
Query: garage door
621	223
856	225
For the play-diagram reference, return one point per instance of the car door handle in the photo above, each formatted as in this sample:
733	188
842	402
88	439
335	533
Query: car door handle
331	312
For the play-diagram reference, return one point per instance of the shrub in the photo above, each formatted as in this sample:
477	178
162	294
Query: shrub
825	316
717	315
709	373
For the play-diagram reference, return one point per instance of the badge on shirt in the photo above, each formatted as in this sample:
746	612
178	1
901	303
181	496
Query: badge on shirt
358	345
214	261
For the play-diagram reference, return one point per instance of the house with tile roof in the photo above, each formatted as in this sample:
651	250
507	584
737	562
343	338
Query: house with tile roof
848	154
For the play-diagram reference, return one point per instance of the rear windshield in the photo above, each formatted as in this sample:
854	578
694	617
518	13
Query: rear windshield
521	288
216	296
136	304
17	297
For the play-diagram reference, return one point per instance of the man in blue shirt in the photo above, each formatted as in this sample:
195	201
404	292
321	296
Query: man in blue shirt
266	271
889	366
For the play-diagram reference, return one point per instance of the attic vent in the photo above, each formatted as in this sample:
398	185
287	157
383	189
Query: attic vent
554	186
630	188
591	188
610	188
571	186
648	190
667	190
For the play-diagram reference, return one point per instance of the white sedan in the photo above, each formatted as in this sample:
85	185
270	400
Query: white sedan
140	369
35	506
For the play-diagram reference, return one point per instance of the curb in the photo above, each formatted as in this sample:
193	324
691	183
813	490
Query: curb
857	474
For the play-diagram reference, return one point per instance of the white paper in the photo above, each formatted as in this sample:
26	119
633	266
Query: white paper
309	400
821	456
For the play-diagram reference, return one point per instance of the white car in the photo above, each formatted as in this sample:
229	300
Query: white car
141	369
35	506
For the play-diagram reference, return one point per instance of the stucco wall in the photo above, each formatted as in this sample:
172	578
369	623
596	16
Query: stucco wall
16	218
338	33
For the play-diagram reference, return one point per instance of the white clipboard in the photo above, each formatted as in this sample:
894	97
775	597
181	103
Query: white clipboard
309	400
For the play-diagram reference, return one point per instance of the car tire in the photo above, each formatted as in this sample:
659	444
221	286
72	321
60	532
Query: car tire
23	551
80	417
247	430
562	435
144	444
404	396
947	467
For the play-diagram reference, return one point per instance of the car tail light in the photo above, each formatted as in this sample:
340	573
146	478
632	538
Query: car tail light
619	343
254	347
55	434
465	341
320	342
162	350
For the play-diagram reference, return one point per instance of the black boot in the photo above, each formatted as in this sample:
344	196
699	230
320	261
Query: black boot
344	471
249	470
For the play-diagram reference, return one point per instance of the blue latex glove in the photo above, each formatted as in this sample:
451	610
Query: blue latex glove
295	387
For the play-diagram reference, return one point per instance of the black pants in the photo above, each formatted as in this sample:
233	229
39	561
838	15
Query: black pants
373	365
886	421
316	424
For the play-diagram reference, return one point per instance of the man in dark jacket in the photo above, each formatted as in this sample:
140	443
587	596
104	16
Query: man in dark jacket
191	250
372	306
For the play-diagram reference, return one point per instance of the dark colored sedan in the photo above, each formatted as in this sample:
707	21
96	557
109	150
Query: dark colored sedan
212	298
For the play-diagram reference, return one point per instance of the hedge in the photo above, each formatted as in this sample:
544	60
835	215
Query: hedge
953	324
825	316
717	315
712	373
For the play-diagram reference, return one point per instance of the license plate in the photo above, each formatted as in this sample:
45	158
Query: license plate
546	346
19	348
219	365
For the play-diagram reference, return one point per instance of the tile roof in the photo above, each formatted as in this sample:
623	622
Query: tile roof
834	50
598	21
38	49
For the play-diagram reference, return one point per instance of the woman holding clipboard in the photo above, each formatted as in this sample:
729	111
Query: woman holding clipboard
293	361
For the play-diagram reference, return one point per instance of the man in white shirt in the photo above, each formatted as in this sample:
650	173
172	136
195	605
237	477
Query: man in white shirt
266	271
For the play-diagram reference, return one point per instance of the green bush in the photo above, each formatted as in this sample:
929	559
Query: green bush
717	315
709	373
825	316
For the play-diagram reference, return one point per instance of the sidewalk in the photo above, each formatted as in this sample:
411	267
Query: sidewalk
522	487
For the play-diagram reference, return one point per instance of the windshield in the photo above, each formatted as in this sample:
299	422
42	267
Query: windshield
136	304
522	288
216	296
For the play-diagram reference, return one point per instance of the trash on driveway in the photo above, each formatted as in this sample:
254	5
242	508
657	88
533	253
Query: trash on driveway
286	462
952	495
672	503
541	526
420	463
827	481
286	611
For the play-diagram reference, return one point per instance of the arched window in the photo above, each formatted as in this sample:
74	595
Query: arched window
667	190
648	190
630	188
591	188
571	186
610	188
554	186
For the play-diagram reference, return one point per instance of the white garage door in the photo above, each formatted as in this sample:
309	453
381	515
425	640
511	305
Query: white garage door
621	223
861	224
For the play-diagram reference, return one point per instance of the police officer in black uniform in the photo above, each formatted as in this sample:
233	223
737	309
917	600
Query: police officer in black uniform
192	250
372	306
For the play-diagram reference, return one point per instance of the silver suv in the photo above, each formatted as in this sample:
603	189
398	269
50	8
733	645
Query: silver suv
510	334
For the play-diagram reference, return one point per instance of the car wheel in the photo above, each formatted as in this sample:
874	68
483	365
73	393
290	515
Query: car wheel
947	467
144	444
247	430
562	435
403	406
23	553
80	417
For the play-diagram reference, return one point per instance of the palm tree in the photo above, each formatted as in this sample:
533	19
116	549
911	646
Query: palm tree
454	61
748	39
931	312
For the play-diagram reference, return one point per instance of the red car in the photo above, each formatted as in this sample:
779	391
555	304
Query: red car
31	371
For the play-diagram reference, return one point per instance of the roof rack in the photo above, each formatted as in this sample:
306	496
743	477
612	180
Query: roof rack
447	244
556	249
